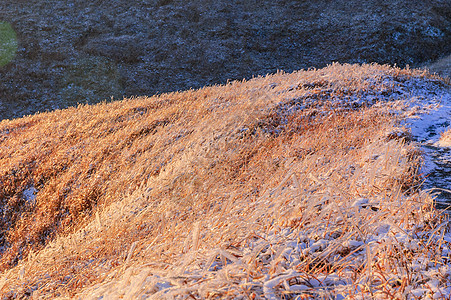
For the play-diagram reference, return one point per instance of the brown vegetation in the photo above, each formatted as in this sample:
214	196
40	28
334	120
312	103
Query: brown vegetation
445	139
170	190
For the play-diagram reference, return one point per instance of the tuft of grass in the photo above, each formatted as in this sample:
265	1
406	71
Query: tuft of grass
445	139
281	186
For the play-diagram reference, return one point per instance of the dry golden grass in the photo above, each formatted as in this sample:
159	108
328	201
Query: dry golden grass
203	193
445	139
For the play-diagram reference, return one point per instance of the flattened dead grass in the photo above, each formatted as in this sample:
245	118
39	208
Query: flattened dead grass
203	193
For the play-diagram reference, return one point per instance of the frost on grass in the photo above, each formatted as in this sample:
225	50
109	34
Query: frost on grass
430	128
445	139
309	237
282	187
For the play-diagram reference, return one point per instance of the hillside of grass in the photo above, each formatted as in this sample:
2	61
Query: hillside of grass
293	184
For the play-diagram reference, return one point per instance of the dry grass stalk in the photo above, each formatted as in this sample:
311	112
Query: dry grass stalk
445	139
286	185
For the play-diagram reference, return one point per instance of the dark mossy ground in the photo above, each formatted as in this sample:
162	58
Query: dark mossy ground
88	51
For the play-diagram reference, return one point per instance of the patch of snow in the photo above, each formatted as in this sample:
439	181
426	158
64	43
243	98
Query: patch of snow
432	119
30	195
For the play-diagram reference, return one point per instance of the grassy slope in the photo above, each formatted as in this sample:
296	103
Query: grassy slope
174	190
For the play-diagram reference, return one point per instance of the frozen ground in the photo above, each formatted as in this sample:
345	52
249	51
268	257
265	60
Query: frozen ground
426	128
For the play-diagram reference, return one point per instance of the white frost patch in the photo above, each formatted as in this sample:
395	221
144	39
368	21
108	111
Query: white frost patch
30	195
360	202
427	127
432	119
